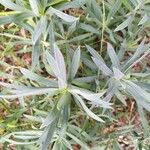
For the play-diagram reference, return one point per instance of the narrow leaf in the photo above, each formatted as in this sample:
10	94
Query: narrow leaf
33	76
113	56
102	67
94	53
75	63
34	6
87	110
65	17
117	74
125	24
39	29
9	4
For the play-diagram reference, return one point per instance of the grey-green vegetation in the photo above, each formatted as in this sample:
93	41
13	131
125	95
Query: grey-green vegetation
88	56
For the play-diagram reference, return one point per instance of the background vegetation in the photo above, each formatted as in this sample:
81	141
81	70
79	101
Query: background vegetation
75	74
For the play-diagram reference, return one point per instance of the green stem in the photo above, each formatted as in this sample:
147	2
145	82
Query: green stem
103	27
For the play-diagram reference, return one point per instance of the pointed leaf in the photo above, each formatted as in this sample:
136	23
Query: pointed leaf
62	15
9	4
117	73
75	63
33	76
87	110
113	56
34	6
125	24
102	67
94	53
39	29
141	49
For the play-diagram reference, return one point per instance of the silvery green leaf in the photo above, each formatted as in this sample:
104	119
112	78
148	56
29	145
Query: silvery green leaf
46	64
122	50
67	143
137	90
94	10
89	64
13	86
102	66
112	86
80	37
34	118
113	56
144	121
33	76
44	3
125	24
22	137
16	18
72	28
111	35
117	74
135	3
55	67
16	37
47	135
87	110
94	98
36	52
60	63
11	5
51	35
27	133
52	116
88	9
144	19
85	79
144	85
34	6
6	19
144	104
127	4
64	100
81	133
109	95
141	49
63	16
28	92
142	75
39	29
113	10
140	95
58	145
89	28
86	93
17	143
94	53
75	63
121	97
34	90
51	62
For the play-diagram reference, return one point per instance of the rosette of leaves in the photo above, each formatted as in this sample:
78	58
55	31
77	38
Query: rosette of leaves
115	20
37	17
121	81
54	128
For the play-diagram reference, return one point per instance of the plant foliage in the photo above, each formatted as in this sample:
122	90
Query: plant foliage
87	57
